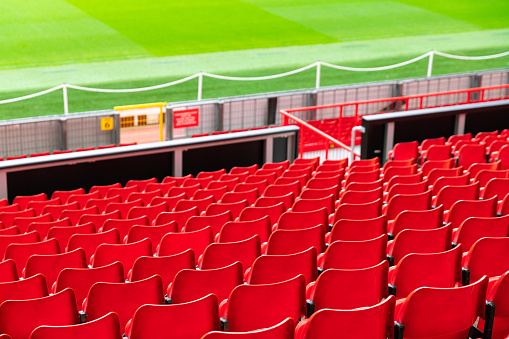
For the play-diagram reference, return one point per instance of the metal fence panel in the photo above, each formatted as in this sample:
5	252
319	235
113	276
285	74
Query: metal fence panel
85	131
247	113
207	119
291	101
494	78
357	93
29	137
435	85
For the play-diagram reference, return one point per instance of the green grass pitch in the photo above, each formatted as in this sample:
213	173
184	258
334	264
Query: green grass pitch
133	43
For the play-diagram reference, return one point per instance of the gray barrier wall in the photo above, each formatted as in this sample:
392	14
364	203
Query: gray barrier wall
80	130
41	134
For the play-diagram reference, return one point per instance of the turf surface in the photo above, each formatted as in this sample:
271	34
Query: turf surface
135	43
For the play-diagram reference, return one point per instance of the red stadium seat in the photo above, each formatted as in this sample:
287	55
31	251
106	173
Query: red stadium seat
151	212
404	151
270	269
349	288
154	233
56	210
451	194
75	215
441	269
6	240
368	210
8	271
475	228
103	203
216	193
127	254
174	243
499	294
23	201
201	204
166	267
7	218
218	255
141	184
422	220
121	298
107	326
344	254
220	208
123	226
122	192
358	230
294	241
99	219
18	318
255	213
51	265
146	197
240	230
484	258
180	217
193	284
307	205
375	322
21	252
459	308
298	220
283	330
103	190
186	320
23	222
403	202
420	241
82	199
253	307
43	227
196	223
64	195
81	279
287	200
29	288
463	209
90	242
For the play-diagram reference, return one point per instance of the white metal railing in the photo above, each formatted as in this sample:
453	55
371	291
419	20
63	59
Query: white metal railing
201	75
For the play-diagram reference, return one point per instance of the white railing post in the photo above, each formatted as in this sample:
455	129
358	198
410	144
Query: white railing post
318	73
430	63
200	85
355	129
66	99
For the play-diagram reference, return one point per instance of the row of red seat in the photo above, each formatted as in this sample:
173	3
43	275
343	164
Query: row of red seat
484	147
40	154
304	237
334	289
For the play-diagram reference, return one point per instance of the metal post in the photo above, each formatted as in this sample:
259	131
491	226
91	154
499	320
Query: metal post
361	129
430	63
200	85
169	123
318	73
66	100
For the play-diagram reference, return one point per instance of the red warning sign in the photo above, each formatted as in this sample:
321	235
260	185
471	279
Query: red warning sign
186	118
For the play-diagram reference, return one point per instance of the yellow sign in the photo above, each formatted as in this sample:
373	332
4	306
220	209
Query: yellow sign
106	124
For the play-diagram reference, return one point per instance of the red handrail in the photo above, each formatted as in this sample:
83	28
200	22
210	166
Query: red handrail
393	104
408	97
302	123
